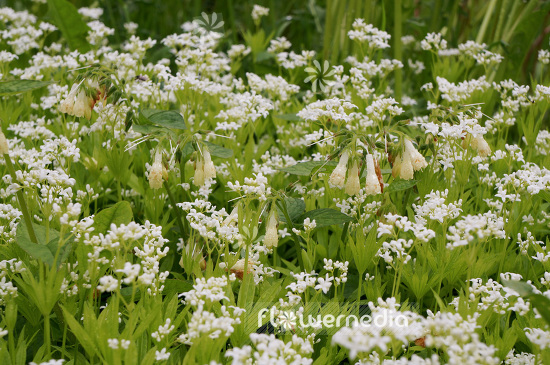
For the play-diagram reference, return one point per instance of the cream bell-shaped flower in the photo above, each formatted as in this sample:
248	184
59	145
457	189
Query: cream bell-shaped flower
4	149
209	168
271	238
77	102
373	185
480	144
156	173
418	161
353	185
338	176
199	177
402	167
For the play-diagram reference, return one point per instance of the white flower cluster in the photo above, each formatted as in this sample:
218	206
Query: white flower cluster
481	226
9	219
211	224
267	349
252	187
7	289
497	297
435	208
330	110
367	33
208	323
389	327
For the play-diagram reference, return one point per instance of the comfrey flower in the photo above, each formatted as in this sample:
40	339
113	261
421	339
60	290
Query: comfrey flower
4	149
209	168
78	102
199	178
157	171
271	235
353	185
373	184
408	162
204	169
338	176
479	144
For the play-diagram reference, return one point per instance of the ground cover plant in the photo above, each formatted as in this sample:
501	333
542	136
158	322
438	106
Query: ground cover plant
333	182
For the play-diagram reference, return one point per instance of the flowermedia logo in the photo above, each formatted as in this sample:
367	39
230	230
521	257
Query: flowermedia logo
319	75
210	22
291	320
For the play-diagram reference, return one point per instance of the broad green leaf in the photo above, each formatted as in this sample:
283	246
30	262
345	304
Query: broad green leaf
144	128
522	288
290	117
164	118
218	151
326	217
538	301
306	168
399	185
295	207
542	304
12	87
176	286
66	18
120	213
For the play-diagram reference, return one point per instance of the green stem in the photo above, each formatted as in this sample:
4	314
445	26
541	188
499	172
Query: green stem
47	339
398	52
297	245
486	19
21	199
175	207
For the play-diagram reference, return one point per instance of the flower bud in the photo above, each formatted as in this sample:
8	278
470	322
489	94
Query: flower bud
271	235
353	185
4	149
373	184
155	175
338	176
209	168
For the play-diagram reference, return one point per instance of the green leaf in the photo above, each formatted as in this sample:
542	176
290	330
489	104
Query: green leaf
187	150
305	168
218	151
538	301
120	213
398	185
326	217
542	304
294	207
144	128
66	18
176	286
80	333
12	87
164	118
522	288
39	250
290	117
